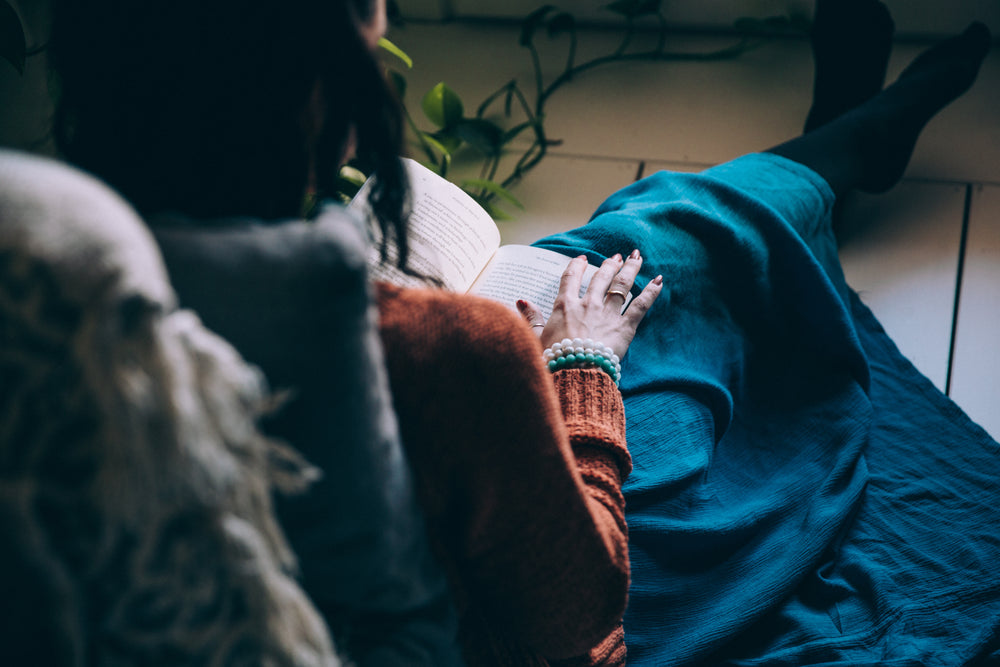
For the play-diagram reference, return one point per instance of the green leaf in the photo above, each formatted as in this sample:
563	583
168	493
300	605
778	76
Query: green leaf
531	23
437	145
442	168
447	140
492	188
386	45
349	181
481	134
562	22
13	47
634	8
443	106
352	175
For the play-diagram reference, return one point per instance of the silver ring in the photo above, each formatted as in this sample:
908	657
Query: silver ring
623	295
537	325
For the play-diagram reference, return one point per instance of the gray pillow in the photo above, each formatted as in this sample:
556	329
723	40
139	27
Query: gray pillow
294	298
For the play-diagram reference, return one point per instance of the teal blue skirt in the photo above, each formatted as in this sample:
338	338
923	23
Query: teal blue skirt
801	494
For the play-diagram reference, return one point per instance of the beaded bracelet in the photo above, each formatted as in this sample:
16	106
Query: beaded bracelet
581	352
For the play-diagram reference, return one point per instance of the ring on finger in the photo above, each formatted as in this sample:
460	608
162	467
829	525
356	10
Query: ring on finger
623	295
537	324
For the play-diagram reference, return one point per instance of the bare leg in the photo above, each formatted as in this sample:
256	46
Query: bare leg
868	147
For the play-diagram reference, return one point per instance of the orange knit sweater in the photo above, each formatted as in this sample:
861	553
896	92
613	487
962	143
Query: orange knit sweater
519	472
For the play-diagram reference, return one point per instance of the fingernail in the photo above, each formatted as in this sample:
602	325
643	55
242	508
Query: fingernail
635	254
617	257
521	304
658	280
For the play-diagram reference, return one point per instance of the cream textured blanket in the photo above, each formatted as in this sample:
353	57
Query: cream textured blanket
135	507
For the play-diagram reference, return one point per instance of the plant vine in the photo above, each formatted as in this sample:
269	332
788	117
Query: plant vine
454	131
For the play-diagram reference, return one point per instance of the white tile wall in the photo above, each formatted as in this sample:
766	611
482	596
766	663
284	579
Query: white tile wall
582	184
701	112
902	259
975	380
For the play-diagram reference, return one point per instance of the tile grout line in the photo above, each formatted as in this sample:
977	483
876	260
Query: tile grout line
647	162
962	249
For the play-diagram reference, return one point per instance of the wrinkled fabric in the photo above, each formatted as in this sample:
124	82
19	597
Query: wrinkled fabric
800	494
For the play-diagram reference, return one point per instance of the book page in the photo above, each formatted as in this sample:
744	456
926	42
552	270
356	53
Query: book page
525	272
450	236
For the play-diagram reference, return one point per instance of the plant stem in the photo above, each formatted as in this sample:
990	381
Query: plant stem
536	64
571	58
528	160
538	149
506	88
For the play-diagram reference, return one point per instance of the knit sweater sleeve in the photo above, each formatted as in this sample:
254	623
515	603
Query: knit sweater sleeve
520	470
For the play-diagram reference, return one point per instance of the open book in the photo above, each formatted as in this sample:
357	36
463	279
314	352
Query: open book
452	238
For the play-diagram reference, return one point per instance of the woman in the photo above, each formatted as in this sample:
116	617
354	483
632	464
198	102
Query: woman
773	425
213	111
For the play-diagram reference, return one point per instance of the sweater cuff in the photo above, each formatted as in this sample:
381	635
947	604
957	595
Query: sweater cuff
594	414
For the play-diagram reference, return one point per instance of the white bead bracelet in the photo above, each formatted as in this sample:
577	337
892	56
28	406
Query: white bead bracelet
582	352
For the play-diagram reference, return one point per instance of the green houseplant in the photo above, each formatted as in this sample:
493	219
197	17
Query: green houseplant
514	111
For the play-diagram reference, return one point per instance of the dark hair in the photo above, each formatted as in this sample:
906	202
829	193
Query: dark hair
197	106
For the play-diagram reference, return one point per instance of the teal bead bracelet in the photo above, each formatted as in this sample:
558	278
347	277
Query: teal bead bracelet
581	353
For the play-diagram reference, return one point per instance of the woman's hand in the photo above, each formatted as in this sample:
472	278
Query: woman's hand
597	314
